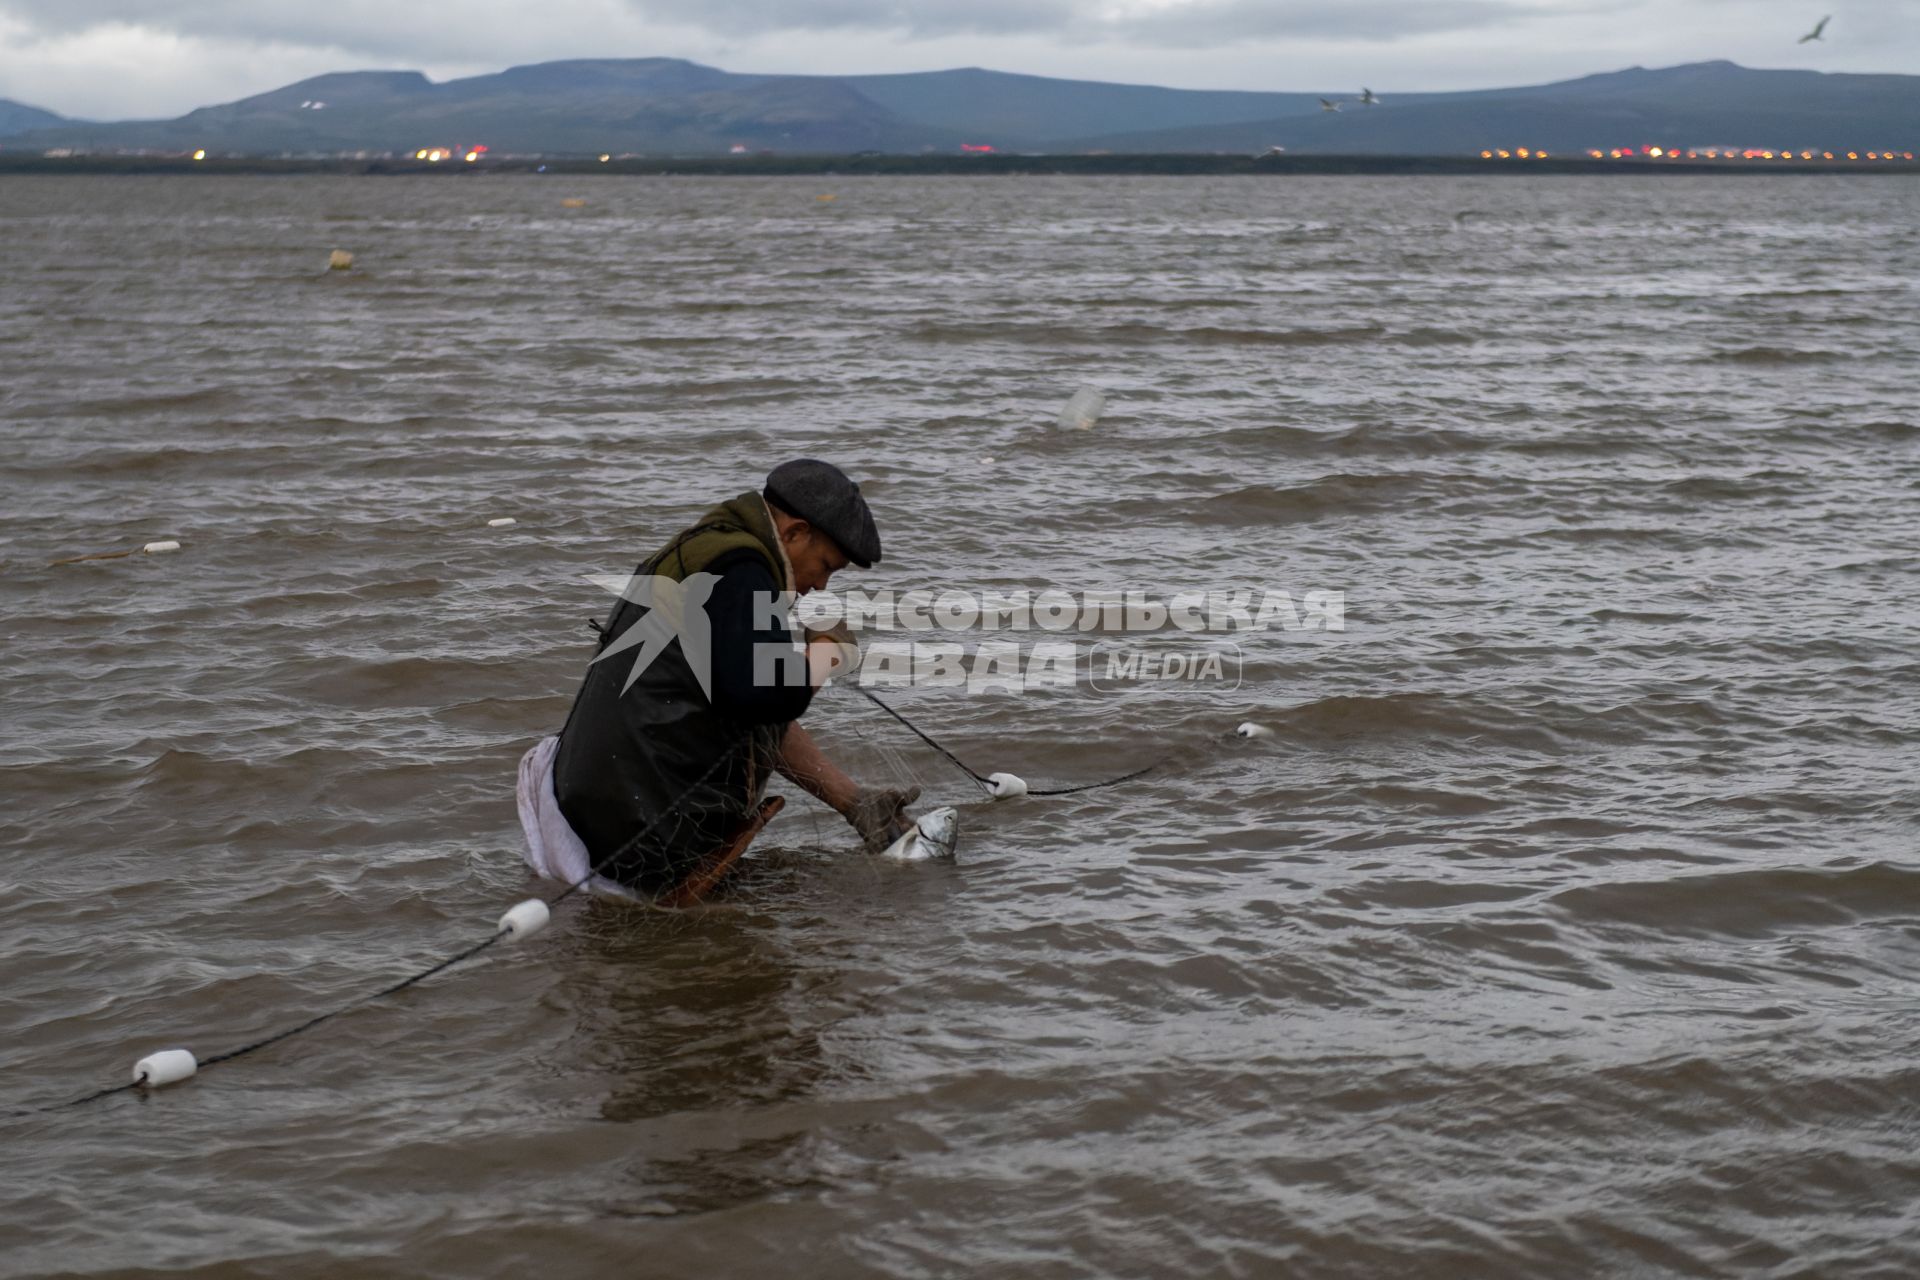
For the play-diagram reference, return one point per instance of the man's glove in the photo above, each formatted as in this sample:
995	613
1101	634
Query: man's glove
881	816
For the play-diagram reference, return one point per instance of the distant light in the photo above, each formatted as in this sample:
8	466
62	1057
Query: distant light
1806	155
1906	155
1486	155
1506	155
1873	155
472	156
420	154
604	159
200	155
1655	151
1595	152
1853	155
1693	155
1539	155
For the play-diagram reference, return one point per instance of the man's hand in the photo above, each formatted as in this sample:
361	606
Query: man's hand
880	816
831	651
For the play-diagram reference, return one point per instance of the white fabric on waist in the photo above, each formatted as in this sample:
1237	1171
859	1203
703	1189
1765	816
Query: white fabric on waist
553	850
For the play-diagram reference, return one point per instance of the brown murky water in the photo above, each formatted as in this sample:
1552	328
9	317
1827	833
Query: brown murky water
1566	926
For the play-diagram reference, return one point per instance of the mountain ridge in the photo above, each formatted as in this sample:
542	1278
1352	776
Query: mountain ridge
672	106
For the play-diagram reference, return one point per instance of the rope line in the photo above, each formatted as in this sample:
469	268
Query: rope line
982	782
443	965
958	763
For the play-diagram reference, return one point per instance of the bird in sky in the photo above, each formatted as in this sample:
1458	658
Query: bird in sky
1818	27
1368	98
1328	104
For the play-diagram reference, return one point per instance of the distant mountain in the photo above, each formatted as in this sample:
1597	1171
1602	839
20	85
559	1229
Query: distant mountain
660	105
1026	111
1701	104
17	117
669	106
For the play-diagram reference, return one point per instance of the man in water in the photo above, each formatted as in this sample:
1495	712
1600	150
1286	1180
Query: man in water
656	782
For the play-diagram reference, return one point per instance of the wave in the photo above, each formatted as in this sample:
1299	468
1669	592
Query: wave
1107	335
1767	356
1749	903
1330	497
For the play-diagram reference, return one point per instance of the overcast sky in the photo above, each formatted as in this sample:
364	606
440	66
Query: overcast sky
115	59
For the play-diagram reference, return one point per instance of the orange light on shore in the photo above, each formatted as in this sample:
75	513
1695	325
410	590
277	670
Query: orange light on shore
1486	155
1596	153
200	154
1523	153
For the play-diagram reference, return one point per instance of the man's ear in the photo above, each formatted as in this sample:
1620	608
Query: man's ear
798	530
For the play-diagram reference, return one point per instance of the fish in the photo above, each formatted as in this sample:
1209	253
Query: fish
933	835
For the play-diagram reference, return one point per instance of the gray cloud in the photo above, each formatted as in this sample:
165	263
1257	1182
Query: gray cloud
1214	22
381	27
358	25
914	18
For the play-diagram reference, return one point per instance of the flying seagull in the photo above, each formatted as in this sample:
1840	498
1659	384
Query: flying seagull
1328	104
1818	27
1368	98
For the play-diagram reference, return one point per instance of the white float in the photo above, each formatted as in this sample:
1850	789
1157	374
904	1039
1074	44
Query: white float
169	1066
1005	786
525	919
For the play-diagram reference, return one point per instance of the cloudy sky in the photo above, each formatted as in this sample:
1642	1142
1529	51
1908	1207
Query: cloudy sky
116	59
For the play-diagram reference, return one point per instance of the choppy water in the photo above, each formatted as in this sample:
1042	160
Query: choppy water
1567	925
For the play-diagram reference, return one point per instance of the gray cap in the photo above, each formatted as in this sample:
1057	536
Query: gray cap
820	493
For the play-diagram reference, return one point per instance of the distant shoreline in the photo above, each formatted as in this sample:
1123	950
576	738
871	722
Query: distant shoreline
1005	165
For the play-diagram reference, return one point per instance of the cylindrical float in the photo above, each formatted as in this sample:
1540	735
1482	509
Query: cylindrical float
525	919
169	1066
1005	786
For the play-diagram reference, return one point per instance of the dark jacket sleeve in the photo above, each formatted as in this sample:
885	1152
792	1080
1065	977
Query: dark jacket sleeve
757	692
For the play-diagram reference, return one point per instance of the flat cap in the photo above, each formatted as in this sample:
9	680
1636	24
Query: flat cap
820	493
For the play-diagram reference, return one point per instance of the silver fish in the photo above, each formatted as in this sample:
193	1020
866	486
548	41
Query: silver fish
933	835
